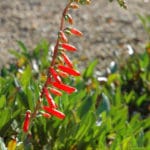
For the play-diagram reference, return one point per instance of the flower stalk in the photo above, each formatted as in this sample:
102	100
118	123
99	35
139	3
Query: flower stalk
60	67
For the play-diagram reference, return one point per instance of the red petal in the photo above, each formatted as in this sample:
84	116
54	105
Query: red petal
63	74
54	74
49	98
64	87
67	60
69	18
55	92
46	115
54	112
76	32
68	47
26	123
48	81
63	37
69	70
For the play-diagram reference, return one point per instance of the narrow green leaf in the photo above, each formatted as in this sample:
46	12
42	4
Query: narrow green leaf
85	125
22	46
4	116
104	104
140	99
26	76
15	53
2	101
90	69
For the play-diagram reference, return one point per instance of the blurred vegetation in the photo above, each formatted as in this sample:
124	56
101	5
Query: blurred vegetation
122	3
109	111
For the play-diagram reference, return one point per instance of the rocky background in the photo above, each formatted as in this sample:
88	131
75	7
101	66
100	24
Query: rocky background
107	28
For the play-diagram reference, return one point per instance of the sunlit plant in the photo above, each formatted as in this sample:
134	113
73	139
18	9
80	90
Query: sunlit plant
60	67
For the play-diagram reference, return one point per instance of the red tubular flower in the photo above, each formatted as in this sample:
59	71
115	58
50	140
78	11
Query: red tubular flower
26	123
68	47
46	115
69	70
54	112
63	74
49	98
55	75
67	60
75	32
55	92
48	81
69	18
64	87
63	37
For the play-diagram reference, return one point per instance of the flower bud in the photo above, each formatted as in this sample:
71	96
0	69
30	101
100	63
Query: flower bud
54	112
68	47
68	62
69	18
49	98
64	87
54	74
27	121
63	74
46	115
69	70
55	92
62	37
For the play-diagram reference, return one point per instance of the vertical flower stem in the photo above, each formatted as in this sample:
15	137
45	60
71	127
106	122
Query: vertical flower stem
61	28
38	104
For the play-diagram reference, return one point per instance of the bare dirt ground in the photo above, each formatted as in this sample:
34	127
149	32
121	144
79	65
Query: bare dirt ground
107	27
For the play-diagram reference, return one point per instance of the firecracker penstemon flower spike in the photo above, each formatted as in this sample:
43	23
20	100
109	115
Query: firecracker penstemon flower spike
61	67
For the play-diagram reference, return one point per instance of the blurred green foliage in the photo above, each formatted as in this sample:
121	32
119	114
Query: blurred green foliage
145	19
107	112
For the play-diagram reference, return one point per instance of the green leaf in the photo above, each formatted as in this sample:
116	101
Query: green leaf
2	101
141	99
15	53
30	97
126	143
22	97
90	69
104	105
129	97
20	146
4	116
26	76
113	77
85	107
118	96
22	46
85	125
